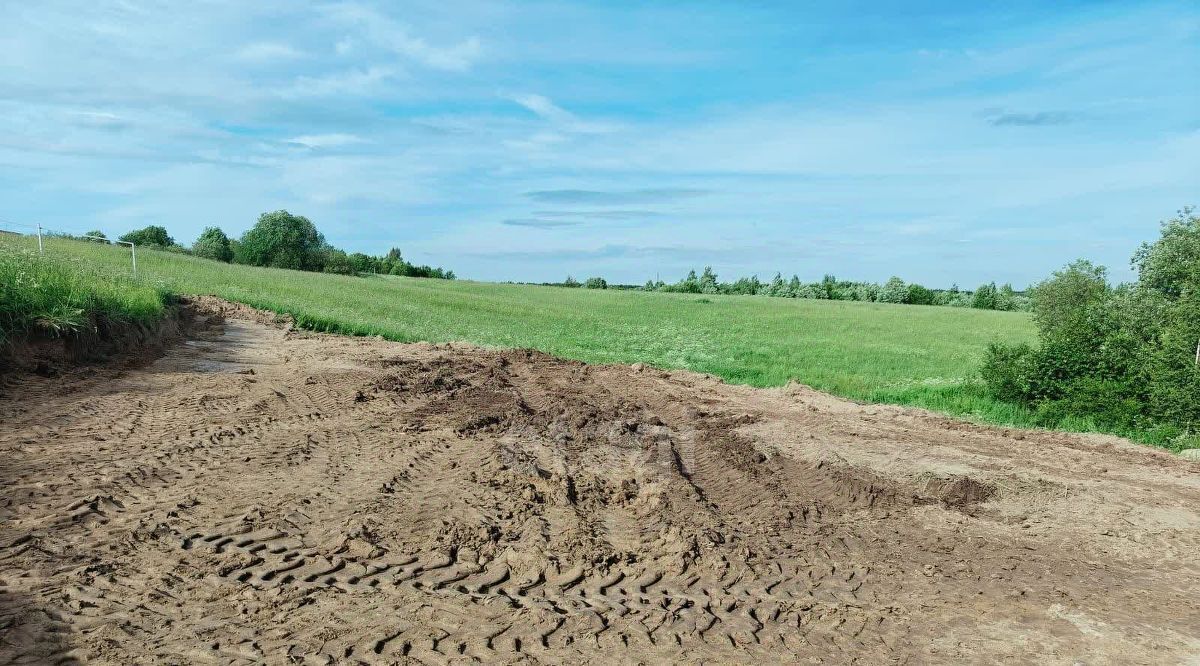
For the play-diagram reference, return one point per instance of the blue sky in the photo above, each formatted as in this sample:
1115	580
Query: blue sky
945	142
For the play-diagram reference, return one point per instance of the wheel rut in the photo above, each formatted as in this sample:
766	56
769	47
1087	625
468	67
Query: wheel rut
262	495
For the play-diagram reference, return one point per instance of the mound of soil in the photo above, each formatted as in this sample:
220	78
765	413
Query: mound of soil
103	339
259	494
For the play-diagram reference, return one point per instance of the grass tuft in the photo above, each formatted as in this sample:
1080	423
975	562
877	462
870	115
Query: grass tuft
56	294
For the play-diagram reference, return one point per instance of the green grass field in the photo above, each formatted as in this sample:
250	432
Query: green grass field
914	355
56	294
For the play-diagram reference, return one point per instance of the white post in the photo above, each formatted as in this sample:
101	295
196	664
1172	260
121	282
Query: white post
132	250
40	249
1198	352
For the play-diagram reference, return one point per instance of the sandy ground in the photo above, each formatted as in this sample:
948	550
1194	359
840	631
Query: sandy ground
262	495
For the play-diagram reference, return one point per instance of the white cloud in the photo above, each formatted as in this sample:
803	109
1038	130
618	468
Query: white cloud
261	52
383	32
335	140
154	115
100	120
458	57
349	82
564	120
543	107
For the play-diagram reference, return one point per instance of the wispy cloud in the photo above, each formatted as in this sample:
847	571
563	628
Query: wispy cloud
600	214
262	52
350	82
382	31
539	223
543	107
695	252
335	140
560	118
457	127
1036	119
616	198
109	122
560	219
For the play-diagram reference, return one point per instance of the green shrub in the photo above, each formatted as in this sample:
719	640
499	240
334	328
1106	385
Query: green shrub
337	261
745	286
793	287
866	291
1006	370
282	240
1123	357
984	298
151	235
918	295
213	244
894	291
595	283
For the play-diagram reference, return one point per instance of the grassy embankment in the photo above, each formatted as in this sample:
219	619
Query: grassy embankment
911	355
56	294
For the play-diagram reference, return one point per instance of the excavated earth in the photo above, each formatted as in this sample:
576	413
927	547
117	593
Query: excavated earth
258	494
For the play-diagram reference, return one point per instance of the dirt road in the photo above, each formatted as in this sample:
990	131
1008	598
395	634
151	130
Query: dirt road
260	495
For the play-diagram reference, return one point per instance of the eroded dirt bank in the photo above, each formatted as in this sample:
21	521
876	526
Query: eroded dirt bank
260	495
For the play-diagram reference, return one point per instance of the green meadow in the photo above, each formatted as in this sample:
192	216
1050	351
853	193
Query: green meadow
56	293
905	354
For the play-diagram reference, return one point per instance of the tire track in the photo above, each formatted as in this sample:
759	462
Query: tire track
271	496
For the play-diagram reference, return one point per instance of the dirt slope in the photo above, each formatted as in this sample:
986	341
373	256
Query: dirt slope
260	495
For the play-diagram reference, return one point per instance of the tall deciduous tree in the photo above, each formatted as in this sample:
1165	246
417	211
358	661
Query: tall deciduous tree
282	240
213	244
151	235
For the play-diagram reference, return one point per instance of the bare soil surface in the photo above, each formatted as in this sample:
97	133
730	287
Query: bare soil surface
258	494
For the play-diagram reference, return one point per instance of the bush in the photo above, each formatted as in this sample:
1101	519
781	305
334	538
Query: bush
338	262
866	292
213	244
282	240
689	285
1006	371
894	291
777	287
1062	302
984	297
918	295
1006	298
809	291
1124	357
570	282
746	286
363	263
1171	265
595	283
151	235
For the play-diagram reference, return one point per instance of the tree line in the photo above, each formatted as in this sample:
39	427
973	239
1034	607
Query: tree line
1125	356
280	240
985	297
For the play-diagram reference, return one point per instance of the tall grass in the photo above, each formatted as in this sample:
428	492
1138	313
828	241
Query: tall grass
56	294
905	354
